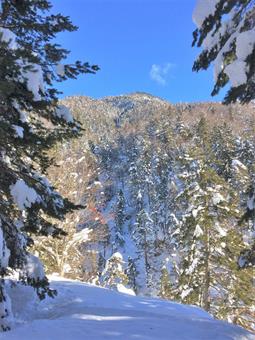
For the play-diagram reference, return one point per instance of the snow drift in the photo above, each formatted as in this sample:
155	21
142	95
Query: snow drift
82	311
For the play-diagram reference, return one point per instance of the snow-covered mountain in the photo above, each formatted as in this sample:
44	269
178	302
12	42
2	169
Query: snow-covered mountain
82	311
158	180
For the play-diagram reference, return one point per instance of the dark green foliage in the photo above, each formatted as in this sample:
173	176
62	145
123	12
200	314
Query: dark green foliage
29	104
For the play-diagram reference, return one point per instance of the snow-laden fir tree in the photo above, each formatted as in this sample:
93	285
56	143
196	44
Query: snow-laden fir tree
233	159
222	144
166	291
226	32
114	275
131	272
247	256
120	217
209	240
31	122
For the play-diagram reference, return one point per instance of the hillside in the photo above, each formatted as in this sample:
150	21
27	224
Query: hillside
84	311
166	190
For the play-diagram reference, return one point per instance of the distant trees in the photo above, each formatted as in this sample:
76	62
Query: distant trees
226	32
172	189
32	121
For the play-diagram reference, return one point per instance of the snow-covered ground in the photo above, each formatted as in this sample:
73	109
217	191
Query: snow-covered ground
82	311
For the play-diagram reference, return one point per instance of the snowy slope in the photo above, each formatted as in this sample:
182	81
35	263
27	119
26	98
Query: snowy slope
82	311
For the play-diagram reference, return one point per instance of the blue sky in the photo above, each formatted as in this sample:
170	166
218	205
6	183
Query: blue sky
140	45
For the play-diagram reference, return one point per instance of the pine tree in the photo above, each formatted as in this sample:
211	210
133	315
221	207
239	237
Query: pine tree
222	145
208	239
120	217
32	121
114	273
165	285
226	31
142	234
247	256
132	273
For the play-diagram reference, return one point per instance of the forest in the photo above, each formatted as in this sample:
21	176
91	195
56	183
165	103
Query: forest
144	202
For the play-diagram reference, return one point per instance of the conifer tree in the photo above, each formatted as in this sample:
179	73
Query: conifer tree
32	121
132	273
223	148
209	240
226	32
120	217
114	273
165	285
247	256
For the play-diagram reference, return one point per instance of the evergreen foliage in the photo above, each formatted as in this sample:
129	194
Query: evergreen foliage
32	121
184	178
226	32
114	273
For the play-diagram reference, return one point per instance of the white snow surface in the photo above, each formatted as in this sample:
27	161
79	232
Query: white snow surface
23	195
237	72
245	42
60	70
34	79
203	9
64	113
19	131
122	289
198	231
8	37
82	311
34	268
217	198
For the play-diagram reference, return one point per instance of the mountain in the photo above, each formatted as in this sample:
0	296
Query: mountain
169	196
85	311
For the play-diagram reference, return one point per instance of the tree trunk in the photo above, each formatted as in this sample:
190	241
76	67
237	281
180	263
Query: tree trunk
206	297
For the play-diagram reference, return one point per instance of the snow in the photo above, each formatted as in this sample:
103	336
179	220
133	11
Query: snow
217	198
236	72
34	268
22	115
245	42
251	203
122	289
64	113
8	37
34	80
23	195
82	311
19	131
118	256
185	293
4	251
60	70
221	231
82	236
191	269
198	231
6	315
202	10
32	76
238	69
